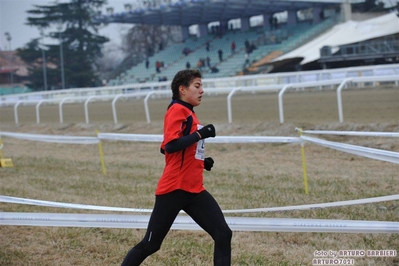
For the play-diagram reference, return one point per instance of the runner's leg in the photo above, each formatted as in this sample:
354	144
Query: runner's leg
206	212
165	210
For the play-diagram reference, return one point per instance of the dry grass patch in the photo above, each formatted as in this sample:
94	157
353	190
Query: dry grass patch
244	176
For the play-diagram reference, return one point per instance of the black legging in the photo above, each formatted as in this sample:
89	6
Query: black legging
204	210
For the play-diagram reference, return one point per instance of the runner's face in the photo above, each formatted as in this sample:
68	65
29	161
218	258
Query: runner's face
193	93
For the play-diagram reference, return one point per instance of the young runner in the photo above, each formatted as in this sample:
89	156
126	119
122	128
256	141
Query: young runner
181	184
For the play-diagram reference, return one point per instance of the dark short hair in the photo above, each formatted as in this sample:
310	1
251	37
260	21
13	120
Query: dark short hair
183	77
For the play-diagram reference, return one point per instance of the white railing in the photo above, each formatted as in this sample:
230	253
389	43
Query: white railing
239	81
304	82
341	83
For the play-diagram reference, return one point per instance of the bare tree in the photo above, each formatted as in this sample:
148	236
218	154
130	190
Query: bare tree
143	41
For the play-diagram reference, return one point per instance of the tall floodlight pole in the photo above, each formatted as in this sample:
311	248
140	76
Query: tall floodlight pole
61	58
8	37
44	69
44	63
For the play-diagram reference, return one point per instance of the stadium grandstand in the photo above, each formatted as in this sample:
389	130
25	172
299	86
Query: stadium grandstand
269	36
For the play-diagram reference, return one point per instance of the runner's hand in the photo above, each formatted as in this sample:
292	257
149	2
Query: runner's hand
208	163
207	131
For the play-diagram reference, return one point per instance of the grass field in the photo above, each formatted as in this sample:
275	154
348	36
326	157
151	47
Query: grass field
244	176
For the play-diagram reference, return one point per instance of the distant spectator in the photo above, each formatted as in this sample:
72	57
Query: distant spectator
147	63
321	15
208	62
220	52
200	64
233	47
271	22
275	22
188	65
248	50
246	62
158	67
246	44
150	51
207	46
219	31
214	69
186	51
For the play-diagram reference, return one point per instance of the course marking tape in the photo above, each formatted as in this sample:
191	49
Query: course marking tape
383	155
8	199
186	223
217	139
352	133
52	138
143	138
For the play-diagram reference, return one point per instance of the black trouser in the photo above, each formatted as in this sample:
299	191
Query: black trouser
204	210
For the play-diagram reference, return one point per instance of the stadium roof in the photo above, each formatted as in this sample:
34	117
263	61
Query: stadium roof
345	33
190	12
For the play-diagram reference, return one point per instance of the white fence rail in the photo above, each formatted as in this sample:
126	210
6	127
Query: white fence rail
341	83
271	82
239	81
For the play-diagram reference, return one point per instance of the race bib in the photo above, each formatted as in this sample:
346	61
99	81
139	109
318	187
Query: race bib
200	150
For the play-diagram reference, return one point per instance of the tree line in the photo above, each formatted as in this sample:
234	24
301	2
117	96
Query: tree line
72	57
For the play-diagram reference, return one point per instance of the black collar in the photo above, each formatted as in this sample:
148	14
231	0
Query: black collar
189	106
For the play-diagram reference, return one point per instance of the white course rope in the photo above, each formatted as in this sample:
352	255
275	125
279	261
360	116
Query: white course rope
55	204
318	205
8	199
52	138
353	133
383	155
186	223
130	137
143	138
217	139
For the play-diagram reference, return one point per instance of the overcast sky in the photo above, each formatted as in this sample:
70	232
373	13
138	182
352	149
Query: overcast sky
13	18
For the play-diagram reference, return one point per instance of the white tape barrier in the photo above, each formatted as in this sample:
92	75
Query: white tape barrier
383	155
8	199
217	139
252	139
186	223
130	137
353	133
143	138
55	204
52	138
318	205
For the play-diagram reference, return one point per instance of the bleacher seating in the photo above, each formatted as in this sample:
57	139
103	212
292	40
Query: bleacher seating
266	42
19	88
